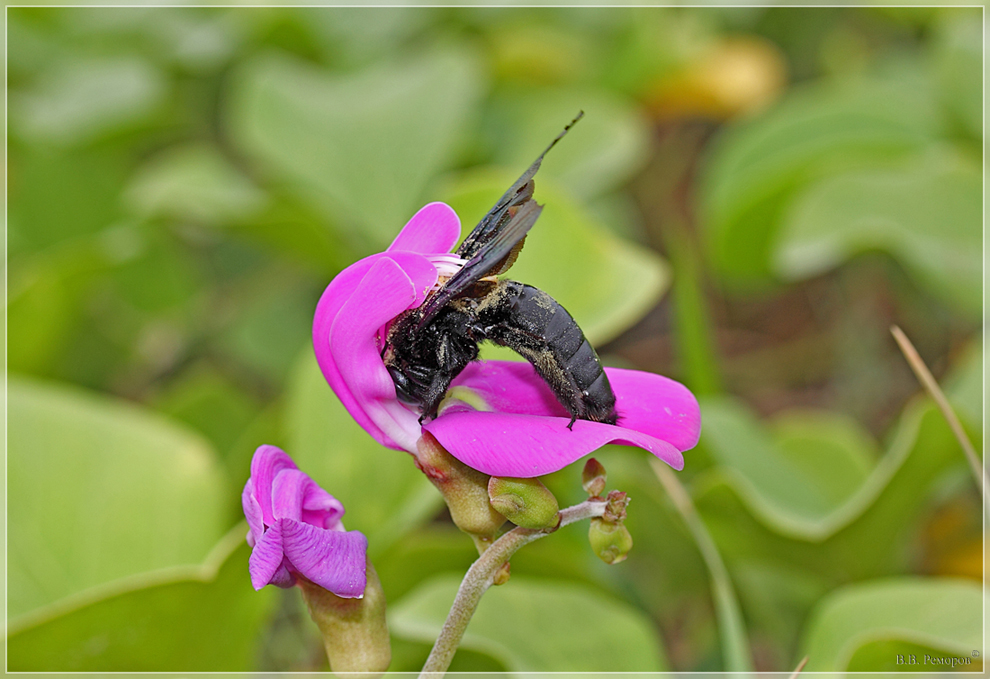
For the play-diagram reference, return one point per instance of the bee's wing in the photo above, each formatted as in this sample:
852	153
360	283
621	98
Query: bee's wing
497	238
517	195
495	249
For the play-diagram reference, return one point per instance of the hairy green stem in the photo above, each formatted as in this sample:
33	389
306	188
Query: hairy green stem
482	574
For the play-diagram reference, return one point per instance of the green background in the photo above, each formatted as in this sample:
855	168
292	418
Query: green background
754	196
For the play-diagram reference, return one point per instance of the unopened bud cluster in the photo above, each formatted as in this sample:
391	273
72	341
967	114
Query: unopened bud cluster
608	535
480	504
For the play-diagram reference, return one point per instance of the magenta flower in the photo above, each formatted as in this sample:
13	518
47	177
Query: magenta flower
296	530
514	425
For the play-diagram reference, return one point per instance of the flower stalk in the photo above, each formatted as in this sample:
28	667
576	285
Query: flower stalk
465	490
354	631
482	575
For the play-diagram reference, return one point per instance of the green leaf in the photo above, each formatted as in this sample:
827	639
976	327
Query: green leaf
538	626
604	282
62	195
40	313
944	615
183	619
365	34
809	481
757	167
927	214
207	401
776	597
866	536
177	279
828	447
871	535
361	147
291	228
423	553
600	153
384	493
99	490
274	323
892	655
193	183
958	48
83	98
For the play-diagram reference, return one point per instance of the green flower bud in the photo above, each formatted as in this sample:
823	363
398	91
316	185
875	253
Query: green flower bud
593	478
355	634
610	541
465	490
524	502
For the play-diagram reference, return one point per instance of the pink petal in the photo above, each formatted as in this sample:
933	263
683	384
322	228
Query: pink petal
267	462
646	402
384	293
422	276
321	509
435	228
297	497
334	560
657	406
252	512
524	446
510	387
266	558
283	576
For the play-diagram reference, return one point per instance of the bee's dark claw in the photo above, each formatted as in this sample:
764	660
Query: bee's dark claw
571	423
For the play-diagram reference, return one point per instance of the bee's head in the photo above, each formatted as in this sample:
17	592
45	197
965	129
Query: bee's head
403	387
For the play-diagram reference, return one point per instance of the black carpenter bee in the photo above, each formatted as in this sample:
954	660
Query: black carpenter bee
429	346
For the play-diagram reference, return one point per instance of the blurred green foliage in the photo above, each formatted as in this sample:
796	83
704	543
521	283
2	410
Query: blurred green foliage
183	183
922	614
538	626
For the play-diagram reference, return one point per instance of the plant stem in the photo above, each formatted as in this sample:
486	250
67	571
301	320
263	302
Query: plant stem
927	380
732	629
480	577
799	668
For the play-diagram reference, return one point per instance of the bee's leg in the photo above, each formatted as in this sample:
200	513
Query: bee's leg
435	393
454	352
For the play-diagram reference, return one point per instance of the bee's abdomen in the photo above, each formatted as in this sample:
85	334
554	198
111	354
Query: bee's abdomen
537	327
